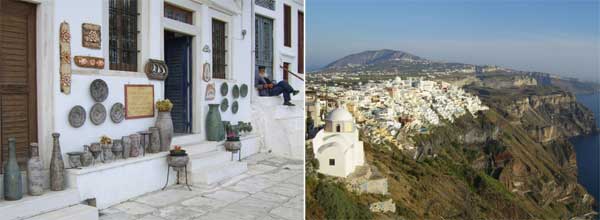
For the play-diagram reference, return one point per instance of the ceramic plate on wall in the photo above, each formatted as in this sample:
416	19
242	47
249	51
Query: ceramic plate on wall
235	91
98	114
224	89
77	116
244	90
116	113
224	105
234	107
99	90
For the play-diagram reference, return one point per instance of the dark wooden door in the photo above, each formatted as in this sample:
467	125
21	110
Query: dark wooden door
178	83
18	115
300	42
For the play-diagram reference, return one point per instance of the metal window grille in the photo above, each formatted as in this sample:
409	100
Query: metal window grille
219	49
264	44
270	4
123	31
178	14
287	25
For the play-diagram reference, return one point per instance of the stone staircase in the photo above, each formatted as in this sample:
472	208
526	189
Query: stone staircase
281	127
55	205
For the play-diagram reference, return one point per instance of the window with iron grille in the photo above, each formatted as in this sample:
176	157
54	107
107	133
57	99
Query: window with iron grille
123	31
270	4
287	26
219	49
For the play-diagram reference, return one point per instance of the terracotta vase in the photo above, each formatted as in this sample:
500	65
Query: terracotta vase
86	158
126	142
154	145
13	188
135	145
35	172
165	125
57	166
215	130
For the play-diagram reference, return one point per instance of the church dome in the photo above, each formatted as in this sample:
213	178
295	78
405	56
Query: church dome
339	114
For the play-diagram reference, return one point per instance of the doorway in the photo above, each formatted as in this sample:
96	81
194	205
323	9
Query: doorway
178	85
18	86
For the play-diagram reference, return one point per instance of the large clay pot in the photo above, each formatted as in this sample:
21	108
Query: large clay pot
154	145
86	158
215	131
35	172
135	145
164	123
13	188
126	142
57	166
178	161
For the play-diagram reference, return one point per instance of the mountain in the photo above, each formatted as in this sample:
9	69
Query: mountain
373	57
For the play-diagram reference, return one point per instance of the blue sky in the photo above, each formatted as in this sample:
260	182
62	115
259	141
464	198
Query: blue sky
556	36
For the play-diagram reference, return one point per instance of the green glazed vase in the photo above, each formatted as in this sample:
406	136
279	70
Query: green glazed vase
215	131
13	184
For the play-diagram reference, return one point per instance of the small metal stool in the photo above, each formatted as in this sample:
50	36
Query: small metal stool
178	169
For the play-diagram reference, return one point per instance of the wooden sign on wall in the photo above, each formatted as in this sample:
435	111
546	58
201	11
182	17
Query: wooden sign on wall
139	101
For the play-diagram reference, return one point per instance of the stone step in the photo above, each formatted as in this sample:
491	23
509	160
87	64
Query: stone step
202	147
30	206
76	212
216	173
208	159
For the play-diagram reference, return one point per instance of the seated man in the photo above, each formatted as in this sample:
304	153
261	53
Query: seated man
266	87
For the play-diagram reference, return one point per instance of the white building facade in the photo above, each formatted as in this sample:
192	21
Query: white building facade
220	40
337	147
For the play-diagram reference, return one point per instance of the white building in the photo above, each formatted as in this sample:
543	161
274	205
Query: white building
337	146
231	37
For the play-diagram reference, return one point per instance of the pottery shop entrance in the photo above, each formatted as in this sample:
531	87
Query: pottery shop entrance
178	85
18	115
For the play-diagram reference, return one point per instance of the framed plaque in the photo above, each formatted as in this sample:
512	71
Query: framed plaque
139	101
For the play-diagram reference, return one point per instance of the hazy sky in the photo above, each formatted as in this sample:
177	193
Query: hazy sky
555	36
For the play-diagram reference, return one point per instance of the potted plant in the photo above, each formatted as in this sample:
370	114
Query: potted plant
164	123
177	157
233	143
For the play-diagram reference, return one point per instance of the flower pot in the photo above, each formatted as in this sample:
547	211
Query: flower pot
178	160
154	145
233	145
13	190
164	123
215	131
57	166
86	158
35	172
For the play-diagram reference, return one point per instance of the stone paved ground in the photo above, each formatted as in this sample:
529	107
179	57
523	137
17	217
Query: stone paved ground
271	189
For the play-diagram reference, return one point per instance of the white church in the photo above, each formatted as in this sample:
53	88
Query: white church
337	146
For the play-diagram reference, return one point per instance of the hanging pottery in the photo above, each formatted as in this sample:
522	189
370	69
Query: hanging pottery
156	69
77	116
234	107
235	91
57	166
244	90
35	172
91	35
99	90
206	73
224	105
65	58
89	62
116	113
215	131
13	188
210	91
98	114
224	89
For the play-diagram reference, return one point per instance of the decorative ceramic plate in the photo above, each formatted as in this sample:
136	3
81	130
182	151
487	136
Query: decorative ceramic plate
224	89
244	90
99	90
235	91
224	105
77	116
98	114
116	113
234	107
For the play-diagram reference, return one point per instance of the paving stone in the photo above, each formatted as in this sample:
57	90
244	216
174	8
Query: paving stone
252	185
151	217
297	180
280	175
135	208
163	198
296	202
269	217
227	196
234	180
178	213
271	197
288	213
116	216
244	212
259	169
294	166
204	203
257	203
286	189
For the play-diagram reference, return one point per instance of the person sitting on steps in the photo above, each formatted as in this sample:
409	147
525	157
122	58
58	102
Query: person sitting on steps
267	87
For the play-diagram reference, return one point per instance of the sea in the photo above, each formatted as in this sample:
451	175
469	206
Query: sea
588	149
